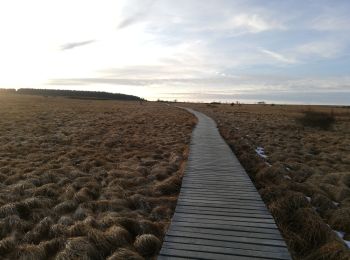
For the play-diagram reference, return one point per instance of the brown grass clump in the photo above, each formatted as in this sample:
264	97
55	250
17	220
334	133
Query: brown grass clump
330	251
161	212
66	221
8	210
58	230
65	207
131	225
125	254
52	246
288	205
118	236
98	238
7	245
31	252
39	232
14	223
147	245
82	178
270	175
340	220
169	186
80	228
323	204
78	247
154	228
311	227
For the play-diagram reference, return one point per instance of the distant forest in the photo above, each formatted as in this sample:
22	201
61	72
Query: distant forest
71	94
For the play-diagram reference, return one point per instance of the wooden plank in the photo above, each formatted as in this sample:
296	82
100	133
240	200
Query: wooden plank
219	203
165	257
227	232
200	255
217	187
221	226
245	183
237	199
232	193
178	215
213	189
247	240
233	196
221	181
220	184
212	171
201	241
225	206
229	212
226	250
226	187
223	213
227	173
224	222
224	203
221	195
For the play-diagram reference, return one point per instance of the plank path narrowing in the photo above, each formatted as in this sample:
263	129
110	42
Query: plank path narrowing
219	213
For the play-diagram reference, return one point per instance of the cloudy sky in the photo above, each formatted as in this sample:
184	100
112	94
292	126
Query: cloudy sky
295	51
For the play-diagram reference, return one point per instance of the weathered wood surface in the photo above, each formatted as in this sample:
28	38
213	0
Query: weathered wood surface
219	213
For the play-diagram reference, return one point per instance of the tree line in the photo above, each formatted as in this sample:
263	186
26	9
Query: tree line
72	94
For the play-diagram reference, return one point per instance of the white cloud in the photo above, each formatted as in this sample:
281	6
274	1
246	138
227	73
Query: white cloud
323	48
252	23
279	57
334	22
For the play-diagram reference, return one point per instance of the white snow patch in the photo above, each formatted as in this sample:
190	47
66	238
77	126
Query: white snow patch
288	169
308	198
287	177
347	243
261	152
335	203
341	235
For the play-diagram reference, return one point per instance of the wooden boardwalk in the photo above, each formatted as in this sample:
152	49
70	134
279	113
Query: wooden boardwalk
219	213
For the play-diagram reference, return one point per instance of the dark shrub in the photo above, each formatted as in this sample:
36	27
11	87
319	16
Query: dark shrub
317	119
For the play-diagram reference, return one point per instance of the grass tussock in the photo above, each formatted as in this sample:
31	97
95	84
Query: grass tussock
147	245
304	177
31	252
330	251
78	248
125	253
170	186
340	219
83	179
7	245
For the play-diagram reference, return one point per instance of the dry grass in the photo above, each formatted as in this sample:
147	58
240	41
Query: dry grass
305	178
147	245
88	179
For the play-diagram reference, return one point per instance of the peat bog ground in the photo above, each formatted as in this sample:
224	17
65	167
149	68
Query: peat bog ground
84	179
302	172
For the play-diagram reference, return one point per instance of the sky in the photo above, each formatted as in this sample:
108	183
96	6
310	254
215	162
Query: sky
291	51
